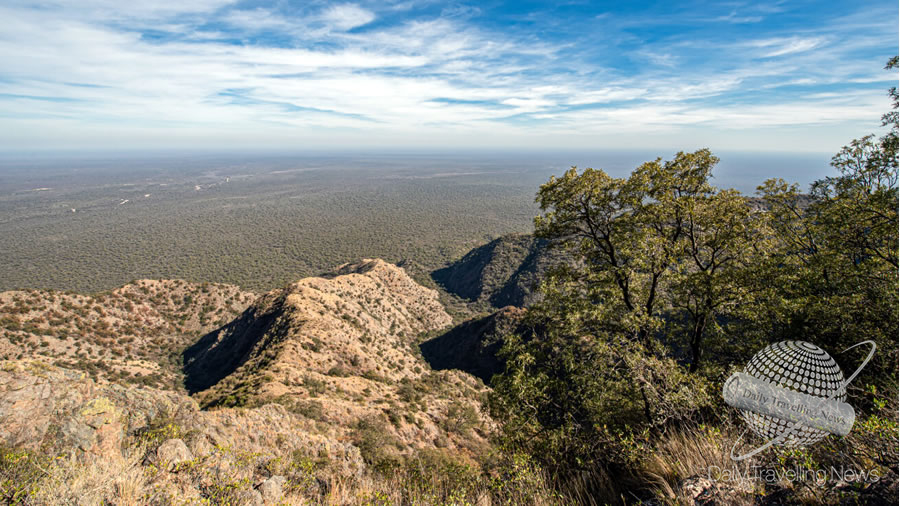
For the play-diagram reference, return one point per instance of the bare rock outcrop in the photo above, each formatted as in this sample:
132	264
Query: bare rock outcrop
173	453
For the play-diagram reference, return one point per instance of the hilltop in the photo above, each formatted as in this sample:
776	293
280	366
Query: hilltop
341	348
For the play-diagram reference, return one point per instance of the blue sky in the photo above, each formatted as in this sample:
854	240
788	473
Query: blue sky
216	74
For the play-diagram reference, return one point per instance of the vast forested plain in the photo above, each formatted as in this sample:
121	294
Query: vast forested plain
257	224
90	224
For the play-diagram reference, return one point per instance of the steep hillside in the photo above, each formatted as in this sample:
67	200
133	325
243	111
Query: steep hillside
503	272
341	348
133	333
472	346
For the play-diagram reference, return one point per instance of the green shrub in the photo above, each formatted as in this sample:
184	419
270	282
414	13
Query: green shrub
20	472
376	443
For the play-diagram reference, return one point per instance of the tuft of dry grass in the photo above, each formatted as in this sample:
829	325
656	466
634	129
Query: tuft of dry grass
685	466
128	479
696	455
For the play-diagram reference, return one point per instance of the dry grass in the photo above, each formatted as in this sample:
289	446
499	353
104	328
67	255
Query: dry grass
123	481
677	472
112	479
700	453
435	490
683	465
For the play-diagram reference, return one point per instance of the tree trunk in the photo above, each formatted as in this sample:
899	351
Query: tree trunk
697	342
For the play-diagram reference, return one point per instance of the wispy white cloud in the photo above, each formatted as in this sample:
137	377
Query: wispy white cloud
142	12
735	18
790	45
666	59
257	19
347	16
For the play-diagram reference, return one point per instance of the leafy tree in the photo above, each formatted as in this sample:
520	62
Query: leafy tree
720	279
663	261
662	243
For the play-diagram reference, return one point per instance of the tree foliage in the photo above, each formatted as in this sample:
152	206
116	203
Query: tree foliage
259	232
663	242
665	261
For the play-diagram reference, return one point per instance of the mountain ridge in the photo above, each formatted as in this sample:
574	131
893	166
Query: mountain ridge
504	272
132	333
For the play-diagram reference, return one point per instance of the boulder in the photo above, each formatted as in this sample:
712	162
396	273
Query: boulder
251	498
172	453
272	490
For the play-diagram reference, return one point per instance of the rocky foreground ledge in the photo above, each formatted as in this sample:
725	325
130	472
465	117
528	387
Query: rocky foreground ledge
157	441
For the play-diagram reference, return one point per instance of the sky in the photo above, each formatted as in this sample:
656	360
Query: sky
755	76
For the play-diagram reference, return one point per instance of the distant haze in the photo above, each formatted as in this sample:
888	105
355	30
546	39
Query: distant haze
743	171
259	220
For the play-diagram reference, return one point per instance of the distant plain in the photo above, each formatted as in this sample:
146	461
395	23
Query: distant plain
91	223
